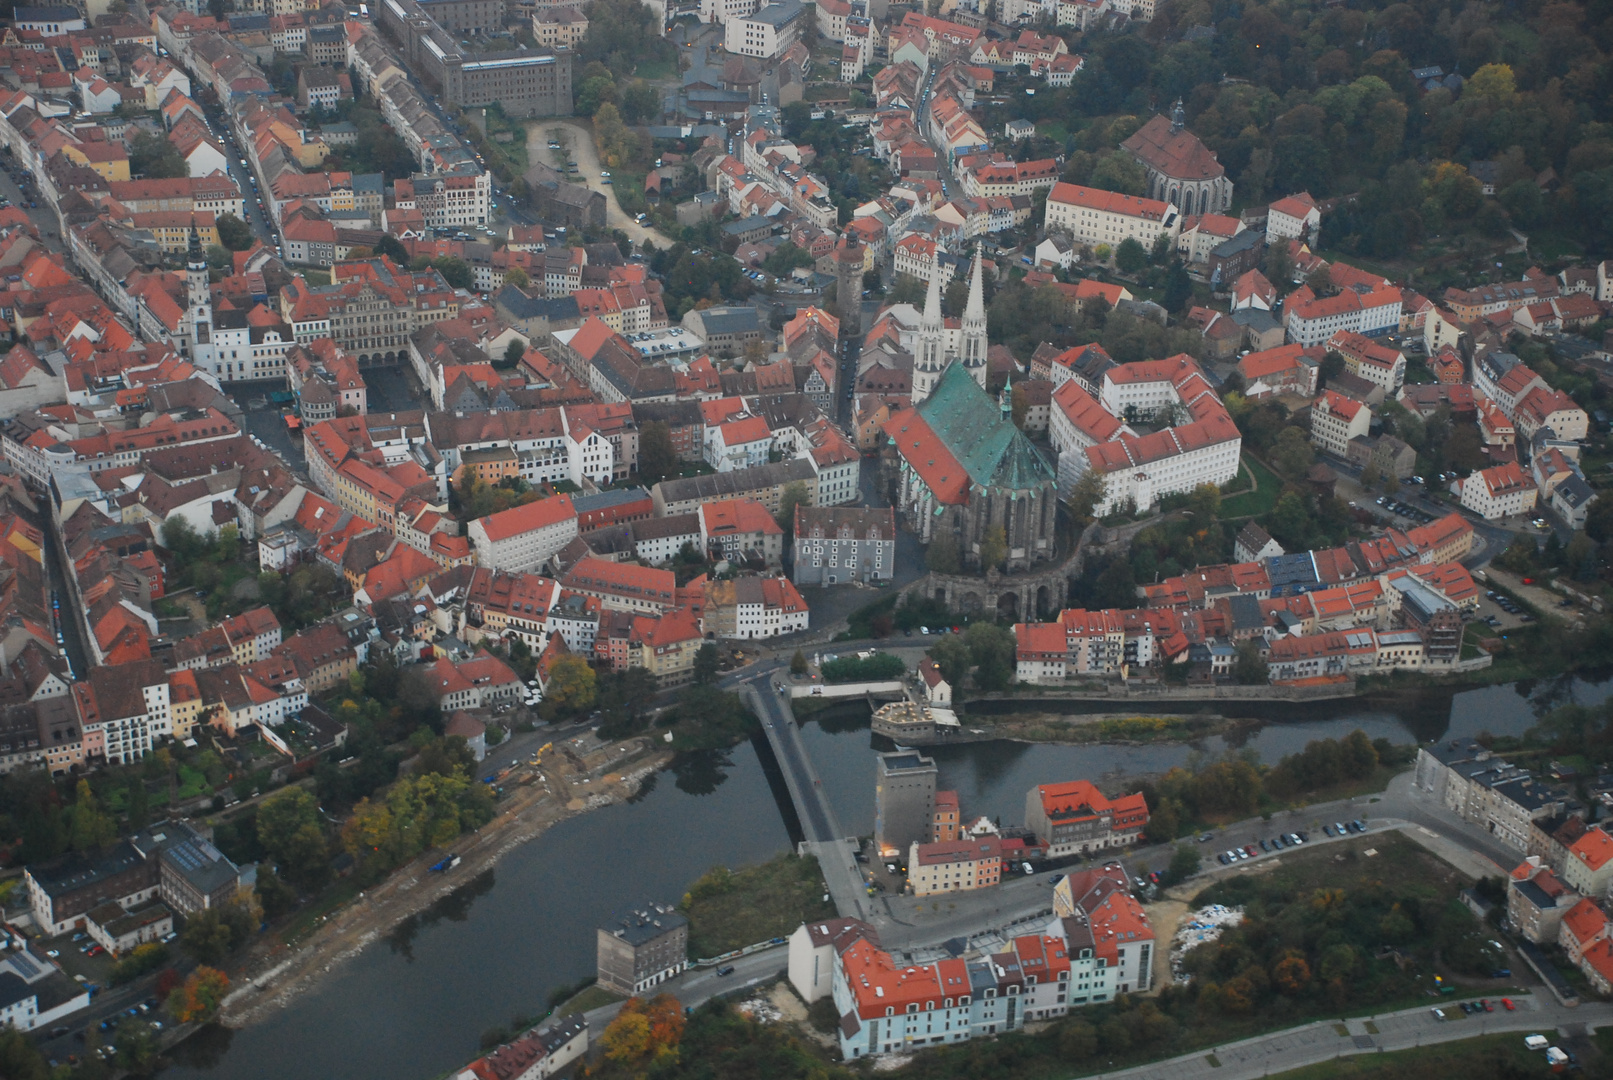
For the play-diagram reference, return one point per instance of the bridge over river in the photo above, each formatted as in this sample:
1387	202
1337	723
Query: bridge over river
821	831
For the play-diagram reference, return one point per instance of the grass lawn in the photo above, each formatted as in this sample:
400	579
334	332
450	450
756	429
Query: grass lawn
306	920
1252	503
657	69
594	997
1482	1055
728	910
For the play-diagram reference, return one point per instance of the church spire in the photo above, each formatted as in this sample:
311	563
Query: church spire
1178	117
194	256
932	341
972	340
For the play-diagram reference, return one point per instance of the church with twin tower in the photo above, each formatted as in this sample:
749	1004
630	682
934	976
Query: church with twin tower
963	470
968	347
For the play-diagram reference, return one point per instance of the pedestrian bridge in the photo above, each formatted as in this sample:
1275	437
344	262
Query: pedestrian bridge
821	832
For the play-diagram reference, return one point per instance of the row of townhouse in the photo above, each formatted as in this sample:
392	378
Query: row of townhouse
1097	945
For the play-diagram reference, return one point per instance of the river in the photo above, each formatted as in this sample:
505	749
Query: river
414	1007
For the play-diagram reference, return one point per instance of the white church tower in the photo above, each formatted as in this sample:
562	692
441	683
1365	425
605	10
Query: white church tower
931	359
199	313
972	339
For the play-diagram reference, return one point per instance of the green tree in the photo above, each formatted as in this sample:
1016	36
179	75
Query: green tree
941	556
206	938
1130	256
954	659
517	277
1249	667
1292	453
93	829
455	271
594	92
275	896
798	663
991	648
289	830
513	354
794	494
1078	1040
993	548
657	457
233	233
392	248
641	103
707	664
153	157
1084	497
1184	864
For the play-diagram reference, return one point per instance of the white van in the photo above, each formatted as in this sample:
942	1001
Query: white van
1535	1042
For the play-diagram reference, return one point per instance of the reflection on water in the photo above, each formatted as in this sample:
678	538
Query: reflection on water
205	1049
455	907
700	772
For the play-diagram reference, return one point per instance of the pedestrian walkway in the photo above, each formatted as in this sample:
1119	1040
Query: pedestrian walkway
1294	1048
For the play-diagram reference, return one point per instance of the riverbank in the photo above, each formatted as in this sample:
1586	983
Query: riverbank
569	784
1128	729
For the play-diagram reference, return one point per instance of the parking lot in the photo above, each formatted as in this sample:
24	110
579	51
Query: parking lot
1499	611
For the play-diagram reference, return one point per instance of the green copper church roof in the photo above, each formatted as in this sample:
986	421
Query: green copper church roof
970	424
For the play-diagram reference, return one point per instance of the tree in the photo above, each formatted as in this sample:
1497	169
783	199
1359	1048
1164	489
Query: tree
517	277
393	248
1019	404
1130	256
275	896
1078	1040
455	271
93	829
794	494
289	829
1088	491
1492	81
153	157
200	996
1178	289
1292	453
798	663
641	103
991	647
707	663
206	937
657	457
952	656
1280	266
233	233
941	557
572	685
1370	475
1248	667
1205	502
1184	863
993	548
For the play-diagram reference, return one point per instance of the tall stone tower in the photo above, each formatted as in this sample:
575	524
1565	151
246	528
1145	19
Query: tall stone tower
199	306
849	286
931	358
972	339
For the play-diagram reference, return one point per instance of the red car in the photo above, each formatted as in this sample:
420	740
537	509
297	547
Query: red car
1507	1003
957	629
95	950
